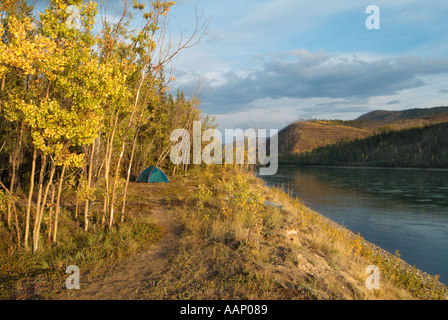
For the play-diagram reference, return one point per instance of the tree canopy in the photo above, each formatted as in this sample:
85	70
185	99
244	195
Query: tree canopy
83	112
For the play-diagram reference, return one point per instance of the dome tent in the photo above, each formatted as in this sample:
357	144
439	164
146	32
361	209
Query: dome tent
152	175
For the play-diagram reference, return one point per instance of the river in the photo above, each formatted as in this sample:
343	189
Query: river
396	209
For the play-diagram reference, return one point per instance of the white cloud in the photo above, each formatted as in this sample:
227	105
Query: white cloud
316	59
320	75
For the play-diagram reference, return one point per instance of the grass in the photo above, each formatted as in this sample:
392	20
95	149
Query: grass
295	253
232	246
24	275
333	241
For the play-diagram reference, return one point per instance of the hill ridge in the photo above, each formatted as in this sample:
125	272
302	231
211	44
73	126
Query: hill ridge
304	136
407	114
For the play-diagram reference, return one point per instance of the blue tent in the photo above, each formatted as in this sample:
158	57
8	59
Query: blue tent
152	175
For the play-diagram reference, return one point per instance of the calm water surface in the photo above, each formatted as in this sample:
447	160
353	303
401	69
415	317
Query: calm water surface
394	209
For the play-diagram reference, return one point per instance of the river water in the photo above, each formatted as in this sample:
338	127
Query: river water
396	209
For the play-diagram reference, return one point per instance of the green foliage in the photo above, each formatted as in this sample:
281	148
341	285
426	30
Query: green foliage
4	202
202	195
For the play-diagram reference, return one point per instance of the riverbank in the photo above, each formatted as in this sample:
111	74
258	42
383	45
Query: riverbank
213	237
400	266
403	210
294	164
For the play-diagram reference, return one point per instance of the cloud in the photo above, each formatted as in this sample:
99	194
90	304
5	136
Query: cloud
252	74
216	36
301	74
443	88
393	102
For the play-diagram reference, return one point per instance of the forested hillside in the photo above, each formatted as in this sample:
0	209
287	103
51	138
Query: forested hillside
393	116
301	138
417	147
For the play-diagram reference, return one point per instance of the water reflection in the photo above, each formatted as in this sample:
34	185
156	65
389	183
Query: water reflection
395	209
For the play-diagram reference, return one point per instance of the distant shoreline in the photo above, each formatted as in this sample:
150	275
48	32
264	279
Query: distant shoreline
363	167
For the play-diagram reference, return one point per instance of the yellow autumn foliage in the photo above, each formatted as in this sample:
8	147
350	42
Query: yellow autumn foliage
27	52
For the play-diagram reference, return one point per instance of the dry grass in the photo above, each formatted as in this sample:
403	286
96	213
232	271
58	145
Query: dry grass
98	253
350	254
232	246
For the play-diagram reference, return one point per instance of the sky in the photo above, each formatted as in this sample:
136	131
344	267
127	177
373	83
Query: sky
267	63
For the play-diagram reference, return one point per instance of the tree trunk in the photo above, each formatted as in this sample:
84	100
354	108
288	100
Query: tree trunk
40	214
30	198
58	204
89	183
15	166
43	165
2	86
16	219
50	214
114	186
77	203
131	160
107	165
123	147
